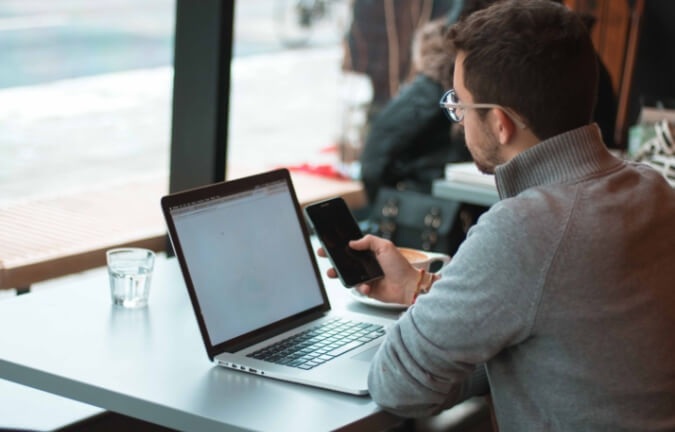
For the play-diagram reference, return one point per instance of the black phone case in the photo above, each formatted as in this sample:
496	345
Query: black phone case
344	279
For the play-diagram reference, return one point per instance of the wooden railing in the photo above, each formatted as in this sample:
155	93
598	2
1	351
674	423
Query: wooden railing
47	238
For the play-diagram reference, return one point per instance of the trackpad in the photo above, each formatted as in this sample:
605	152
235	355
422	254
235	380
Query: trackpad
367	354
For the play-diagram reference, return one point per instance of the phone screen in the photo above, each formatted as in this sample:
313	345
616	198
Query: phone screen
335	226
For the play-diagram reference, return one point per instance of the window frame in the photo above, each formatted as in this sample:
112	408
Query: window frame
201	90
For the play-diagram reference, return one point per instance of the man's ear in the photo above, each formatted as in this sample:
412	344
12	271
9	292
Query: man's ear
504	128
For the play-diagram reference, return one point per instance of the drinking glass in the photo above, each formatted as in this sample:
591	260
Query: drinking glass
130	271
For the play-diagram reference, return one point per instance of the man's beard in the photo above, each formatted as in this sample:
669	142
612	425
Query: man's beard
488	155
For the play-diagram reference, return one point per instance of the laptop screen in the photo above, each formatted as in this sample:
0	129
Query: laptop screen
247	258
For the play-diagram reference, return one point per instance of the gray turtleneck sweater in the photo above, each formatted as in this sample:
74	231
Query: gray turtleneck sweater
565	289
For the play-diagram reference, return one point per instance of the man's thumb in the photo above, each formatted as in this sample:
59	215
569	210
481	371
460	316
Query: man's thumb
361	244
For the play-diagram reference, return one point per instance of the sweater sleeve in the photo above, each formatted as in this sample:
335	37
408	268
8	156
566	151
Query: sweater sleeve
485	302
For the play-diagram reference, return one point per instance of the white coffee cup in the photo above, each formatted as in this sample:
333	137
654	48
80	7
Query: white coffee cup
422	259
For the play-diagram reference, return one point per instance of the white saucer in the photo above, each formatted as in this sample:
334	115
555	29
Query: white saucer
373	302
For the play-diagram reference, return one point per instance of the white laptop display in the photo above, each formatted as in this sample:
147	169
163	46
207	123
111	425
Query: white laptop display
253	281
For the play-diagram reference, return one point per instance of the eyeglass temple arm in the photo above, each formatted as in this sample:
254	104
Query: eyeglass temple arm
511	115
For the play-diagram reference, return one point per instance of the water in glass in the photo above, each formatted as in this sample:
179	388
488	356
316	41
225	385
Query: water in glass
130	285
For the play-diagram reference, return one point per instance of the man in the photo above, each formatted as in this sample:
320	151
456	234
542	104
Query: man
565	289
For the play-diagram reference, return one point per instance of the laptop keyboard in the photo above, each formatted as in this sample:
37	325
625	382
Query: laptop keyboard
320	344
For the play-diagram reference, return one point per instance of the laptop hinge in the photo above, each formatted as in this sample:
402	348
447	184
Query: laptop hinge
277	330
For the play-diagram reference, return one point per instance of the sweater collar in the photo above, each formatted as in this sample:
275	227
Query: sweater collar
564	158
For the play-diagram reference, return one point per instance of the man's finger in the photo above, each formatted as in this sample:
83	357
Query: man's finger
363	289
363	243
331	273
321	252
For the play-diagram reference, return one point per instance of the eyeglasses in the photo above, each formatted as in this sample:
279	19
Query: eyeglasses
454	110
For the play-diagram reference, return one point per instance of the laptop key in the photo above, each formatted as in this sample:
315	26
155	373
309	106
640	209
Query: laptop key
343	349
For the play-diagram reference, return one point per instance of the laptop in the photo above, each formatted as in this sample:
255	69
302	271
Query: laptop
256	290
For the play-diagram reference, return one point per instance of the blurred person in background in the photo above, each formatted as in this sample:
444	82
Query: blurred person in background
410	142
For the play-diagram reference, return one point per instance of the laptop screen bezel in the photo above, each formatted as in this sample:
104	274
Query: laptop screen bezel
223	189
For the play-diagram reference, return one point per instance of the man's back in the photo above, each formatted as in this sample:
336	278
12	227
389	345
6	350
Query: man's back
564	288
601	349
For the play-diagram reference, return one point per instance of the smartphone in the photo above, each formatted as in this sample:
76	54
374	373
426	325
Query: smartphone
335	226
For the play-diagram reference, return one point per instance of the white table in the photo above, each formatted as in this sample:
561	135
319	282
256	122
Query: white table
151	363
464	192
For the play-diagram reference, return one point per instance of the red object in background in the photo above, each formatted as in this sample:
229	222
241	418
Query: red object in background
329	149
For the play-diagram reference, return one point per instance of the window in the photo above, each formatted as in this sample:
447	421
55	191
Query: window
90	102
85	128
85	94
308	75
285	105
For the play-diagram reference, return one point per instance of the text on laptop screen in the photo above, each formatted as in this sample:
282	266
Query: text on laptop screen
248	260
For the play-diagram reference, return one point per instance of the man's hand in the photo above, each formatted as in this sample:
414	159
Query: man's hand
400	277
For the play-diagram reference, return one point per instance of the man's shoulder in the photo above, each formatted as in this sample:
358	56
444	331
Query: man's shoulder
534	218
542	204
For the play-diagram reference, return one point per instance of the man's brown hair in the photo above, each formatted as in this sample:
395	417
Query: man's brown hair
533	56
